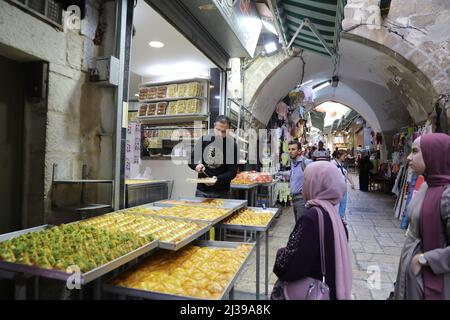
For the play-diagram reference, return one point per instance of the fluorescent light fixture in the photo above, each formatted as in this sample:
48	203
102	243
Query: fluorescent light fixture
156	44
136	95
321	86
305	83
269	26
270	47
217	97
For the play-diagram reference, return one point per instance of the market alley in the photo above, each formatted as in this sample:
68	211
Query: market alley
375	239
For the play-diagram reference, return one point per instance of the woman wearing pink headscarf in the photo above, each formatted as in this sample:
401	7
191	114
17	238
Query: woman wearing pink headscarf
323	188
424	269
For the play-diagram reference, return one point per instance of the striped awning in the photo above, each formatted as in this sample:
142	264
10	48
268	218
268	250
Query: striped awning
325	16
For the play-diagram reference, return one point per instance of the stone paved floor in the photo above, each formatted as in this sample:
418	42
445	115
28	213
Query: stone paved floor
375	239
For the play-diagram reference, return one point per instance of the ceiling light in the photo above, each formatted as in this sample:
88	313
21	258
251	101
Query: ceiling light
306	82
156	44
136	95
270	47
321	86
217	97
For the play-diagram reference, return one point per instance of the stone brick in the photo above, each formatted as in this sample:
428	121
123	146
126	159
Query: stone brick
439	5
441	86
402	9
64	95
63	134
424	6
442	58
75	48
372	248
24	32
422	20
429	47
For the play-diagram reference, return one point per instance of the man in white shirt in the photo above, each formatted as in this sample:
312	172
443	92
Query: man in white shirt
295	176
321	154
339	162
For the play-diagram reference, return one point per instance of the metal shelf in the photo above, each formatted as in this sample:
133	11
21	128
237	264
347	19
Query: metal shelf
173	118
86	207
171	99
82	181
161	83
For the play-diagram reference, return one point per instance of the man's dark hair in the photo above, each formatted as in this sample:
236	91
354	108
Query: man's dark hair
320	143
340	153
299	145
223	119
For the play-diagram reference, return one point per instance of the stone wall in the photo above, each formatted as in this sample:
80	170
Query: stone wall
78	112
415	29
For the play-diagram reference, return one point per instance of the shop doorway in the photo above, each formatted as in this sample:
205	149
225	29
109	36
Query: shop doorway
12	101
175	93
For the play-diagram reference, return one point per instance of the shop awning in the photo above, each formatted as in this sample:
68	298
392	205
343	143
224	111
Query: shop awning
320	22
317	119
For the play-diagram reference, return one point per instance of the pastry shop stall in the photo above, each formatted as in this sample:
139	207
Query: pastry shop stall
161	250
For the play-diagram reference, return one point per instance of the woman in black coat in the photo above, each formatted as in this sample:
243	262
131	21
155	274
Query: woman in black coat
364	172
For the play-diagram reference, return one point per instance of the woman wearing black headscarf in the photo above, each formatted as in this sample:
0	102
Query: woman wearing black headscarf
364	170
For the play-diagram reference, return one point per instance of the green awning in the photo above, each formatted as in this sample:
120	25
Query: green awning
325	16
317	119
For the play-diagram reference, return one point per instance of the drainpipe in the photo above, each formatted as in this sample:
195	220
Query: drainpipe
120	52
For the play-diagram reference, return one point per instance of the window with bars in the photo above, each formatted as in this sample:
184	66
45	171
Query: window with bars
47	10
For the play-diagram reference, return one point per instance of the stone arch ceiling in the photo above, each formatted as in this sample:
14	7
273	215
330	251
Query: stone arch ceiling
387	89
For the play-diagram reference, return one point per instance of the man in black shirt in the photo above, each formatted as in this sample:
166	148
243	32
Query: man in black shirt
215	156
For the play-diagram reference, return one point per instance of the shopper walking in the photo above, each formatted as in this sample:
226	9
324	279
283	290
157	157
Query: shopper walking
215	156
295	176
321	154
339	162
301	258
424	269
364	172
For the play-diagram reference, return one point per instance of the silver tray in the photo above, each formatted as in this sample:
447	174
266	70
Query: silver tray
234	204
273	211
244	186
211	222
152	295
170	245
64	276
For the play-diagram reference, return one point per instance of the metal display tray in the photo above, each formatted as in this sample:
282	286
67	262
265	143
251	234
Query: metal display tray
234	204
64	276
170	245
152	295
244	186
211	222
273	211
148	183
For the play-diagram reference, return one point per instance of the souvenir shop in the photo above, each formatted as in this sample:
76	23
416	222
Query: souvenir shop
406	183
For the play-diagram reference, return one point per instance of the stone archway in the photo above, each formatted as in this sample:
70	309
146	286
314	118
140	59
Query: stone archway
384	87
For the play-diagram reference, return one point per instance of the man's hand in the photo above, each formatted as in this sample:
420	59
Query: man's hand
200	168
415	265
211	184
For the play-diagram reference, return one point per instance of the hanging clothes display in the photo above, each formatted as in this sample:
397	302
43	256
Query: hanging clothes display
282	110
416	183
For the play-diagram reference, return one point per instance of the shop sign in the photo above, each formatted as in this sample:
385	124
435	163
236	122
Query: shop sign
244	20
